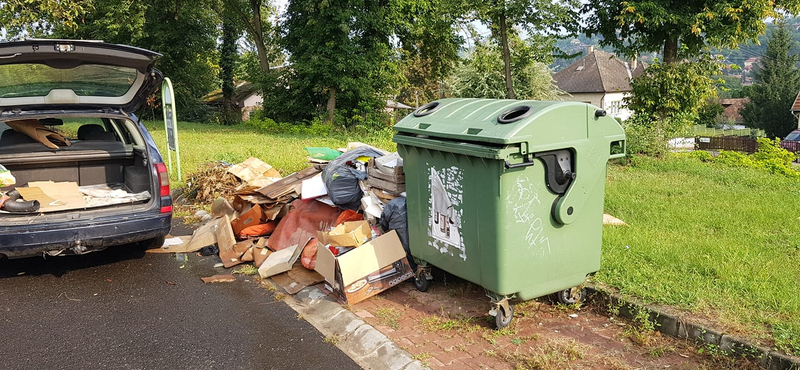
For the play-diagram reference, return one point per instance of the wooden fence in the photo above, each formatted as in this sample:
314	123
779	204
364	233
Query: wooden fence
739	144
734	143
792	146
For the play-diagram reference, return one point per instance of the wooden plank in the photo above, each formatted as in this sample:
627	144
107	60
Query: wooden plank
389	186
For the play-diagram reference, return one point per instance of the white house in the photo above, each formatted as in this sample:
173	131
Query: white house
601	79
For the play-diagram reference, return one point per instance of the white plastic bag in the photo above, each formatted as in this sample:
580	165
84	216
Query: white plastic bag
6	178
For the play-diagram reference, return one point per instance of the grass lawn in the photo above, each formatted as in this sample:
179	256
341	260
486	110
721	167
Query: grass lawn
718	241
723	243
202	143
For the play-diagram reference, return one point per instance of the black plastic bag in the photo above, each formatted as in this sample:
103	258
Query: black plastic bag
395	217
341	178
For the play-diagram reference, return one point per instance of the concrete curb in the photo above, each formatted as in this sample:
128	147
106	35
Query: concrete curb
367	346
681	328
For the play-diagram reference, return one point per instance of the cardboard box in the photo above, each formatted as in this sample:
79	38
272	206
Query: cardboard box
53	196
247	219
348	234
280	261
388	167
365	271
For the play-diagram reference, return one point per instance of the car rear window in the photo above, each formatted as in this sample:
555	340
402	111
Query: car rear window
794	136
24	80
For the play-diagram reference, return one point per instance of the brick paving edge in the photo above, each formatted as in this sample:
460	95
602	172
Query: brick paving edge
367	346
681	328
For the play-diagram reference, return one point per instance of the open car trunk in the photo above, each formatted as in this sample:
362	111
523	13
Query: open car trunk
105	171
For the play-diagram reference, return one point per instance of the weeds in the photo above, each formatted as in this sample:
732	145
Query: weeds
641	329
246	270
268	286
437	323
389	316
332	339
549	355
423	358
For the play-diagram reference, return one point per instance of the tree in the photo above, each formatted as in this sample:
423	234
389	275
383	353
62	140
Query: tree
481	75
183	32
427	31
543	20
777	85
228	59
340	54
633	27
39	17
254	15
669	96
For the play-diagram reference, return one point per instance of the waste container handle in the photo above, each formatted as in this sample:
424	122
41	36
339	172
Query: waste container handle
527	162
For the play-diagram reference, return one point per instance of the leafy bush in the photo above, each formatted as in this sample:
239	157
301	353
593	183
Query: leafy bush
769	156
702	155
644	137
734	159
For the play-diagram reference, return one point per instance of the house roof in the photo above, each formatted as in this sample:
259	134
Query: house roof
397	105
733	108
242	91
796	104
597	72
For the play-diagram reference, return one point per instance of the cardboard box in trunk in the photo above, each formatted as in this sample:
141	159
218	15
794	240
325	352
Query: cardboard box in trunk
365	271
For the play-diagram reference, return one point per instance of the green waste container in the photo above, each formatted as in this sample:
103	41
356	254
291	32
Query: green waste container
507	194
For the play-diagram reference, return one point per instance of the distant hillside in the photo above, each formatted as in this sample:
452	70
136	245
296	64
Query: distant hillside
732	56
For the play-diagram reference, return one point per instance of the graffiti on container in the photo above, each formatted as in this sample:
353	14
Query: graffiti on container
444	226
524	202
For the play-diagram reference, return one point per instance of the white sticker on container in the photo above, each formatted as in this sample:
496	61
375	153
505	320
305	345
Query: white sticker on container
445	212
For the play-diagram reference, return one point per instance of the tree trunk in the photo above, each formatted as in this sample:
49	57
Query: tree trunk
227	64
331	106
671	50
258	36
506	55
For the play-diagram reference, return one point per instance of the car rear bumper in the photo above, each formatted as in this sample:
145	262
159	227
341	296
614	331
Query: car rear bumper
21	242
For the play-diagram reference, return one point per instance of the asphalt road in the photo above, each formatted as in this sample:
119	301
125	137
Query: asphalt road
126	309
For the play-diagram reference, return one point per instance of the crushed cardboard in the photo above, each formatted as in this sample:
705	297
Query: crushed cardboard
183	247
253	216
236	254
252	169
297	279
284	259
228	278
347	234
288	184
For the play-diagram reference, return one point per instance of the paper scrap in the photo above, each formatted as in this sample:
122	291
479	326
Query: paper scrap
219	279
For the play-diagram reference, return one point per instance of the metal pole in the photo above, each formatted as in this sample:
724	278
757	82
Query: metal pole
170	124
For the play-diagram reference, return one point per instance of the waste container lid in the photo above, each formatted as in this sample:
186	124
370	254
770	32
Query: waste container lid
489	120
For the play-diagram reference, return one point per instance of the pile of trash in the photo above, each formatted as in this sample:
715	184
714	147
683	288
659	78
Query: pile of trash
341	221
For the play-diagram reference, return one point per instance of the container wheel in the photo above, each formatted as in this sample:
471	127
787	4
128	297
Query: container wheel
421	282
504	318
572	295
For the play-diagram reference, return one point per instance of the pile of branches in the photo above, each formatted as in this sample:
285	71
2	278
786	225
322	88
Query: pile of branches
210	182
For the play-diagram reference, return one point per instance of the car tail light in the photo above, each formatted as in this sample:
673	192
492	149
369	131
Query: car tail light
163	179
